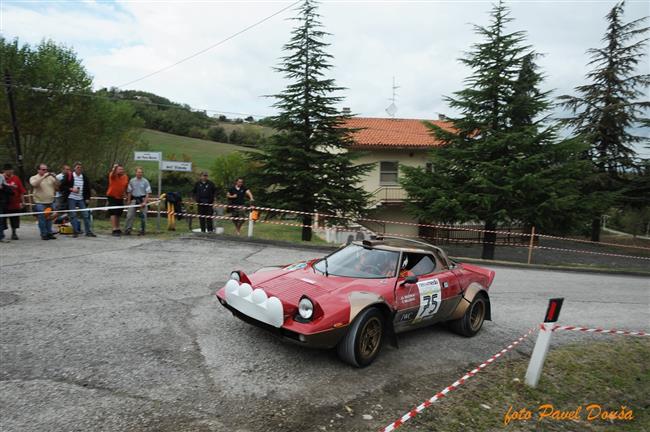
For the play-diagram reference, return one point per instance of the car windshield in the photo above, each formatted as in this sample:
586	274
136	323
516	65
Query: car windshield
359	262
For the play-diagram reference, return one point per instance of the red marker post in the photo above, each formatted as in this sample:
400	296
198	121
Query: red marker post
543	342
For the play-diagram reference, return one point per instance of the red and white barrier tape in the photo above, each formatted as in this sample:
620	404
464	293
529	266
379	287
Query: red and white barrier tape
594	330
299	225
446	227
65	210
418	409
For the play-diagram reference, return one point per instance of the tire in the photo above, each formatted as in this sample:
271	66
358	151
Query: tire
472	321
362	343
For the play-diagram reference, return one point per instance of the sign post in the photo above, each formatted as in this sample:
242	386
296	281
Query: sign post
153	157
543	342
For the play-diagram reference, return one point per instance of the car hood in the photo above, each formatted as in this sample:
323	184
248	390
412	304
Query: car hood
290	285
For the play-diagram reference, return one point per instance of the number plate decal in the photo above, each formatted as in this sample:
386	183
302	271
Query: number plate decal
430	298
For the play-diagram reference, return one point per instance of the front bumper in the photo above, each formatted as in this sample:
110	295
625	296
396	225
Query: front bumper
323	340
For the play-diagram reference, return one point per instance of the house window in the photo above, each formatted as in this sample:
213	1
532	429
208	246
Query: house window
388	173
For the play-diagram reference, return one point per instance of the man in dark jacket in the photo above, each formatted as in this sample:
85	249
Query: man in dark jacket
75	189
204	192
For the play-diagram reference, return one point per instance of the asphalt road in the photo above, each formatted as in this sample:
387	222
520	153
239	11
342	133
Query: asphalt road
126	335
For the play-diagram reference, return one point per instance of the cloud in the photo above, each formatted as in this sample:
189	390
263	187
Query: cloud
417	42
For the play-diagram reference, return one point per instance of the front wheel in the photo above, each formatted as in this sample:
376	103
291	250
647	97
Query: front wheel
362	342
472	321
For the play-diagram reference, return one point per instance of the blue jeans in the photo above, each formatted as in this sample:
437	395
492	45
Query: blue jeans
74	216
44	225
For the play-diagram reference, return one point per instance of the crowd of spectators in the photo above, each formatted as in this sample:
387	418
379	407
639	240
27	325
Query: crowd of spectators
57	199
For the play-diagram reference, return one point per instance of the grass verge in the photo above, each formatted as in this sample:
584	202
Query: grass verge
608	375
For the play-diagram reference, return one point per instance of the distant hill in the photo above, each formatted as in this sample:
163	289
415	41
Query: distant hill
201	152
164	115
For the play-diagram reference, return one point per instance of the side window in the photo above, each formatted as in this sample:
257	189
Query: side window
388	173
419	264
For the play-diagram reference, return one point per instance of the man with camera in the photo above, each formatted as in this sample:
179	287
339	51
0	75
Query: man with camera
44	185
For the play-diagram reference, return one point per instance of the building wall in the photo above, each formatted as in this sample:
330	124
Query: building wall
409	157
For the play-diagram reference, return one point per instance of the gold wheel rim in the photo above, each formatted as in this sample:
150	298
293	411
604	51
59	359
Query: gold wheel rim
476	315
370	337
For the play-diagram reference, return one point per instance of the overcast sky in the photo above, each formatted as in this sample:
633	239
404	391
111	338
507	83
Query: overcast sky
417	42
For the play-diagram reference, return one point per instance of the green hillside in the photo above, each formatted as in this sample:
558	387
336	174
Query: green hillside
201	152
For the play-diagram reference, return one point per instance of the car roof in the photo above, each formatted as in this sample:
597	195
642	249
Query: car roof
400	244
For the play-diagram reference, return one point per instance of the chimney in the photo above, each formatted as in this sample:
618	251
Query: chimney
442	117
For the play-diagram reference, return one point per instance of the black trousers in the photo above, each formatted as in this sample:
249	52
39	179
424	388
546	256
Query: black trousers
206	223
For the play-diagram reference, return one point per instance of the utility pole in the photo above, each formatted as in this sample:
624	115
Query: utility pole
14	124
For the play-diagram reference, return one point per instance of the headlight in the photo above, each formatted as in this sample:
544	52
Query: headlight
234	276
305	308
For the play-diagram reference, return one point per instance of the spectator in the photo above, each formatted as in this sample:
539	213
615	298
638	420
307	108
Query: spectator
4	199
138	192
59	202
118	181
75	189
236	197
44	185
204	192
15	202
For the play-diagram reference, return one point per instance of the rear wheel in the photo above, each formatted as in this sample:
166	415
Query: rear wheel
472	321
362	343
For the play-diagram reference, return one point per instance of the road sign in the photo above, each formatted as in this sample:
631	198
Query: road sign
176	166
148	156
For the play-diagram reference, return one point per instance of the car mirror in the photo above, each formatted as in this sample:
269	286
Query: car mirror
411	279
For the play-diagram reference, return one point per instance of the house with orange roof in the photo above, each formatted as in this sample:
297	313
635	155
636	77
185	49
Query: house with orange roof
390	144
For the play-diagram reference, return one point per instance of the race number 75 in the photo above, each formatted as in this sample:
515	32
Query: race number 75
430	304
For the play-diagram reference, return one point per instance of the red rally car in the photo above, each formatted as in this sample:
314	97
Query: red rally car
362	294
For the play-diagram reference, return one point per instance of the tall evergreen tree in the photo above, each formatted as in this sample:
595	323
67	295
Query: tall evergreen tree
607	108
501	163
308	165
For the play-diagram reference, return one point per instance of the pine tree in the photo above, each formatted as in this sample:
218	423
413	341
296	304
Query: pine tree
606	109
502	163
308	165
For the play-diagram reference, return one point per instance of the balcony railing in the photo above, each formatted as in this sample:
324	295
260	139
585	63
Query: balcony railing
388	194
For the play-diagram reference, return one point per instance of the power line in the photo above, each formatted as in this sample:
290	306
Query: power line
138	101
211	46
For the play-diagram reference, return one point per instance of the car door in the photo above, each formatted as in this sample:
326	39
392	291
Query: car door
429	300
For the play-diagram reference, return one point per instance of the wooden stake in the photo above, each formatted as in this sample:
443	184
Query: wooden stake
530	247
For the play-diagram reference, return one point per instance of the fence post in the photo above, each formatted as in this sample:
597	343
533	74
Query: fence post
530	247
251	222
543	342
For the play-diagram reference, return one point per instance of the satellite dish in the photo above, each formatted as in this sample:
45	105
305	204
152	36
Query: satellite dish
392	110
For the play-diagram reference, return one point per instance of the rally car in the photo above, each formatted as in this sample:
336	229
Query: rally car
361	295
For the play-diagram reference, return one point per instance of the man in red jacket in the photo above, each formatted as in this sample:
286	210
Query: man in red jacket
15	204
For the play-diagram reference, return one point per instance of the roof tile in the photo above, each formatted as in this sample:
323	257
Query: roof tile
389	132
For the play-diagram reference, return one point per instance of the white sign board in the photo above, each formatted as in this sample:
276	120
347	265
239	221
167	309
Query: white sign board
176	166
148	156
